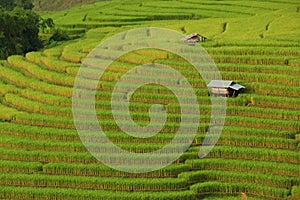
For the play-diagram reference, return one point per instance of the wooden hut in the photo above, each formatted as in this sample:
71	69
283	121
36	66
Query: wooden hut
194	38
224	88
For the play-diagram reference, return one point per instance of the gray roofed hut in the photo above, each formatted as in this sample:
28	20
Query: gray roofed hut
224	88
194	38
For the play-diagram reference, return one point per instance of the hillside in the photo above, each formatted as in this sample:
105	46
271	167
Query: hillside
253	43
45	5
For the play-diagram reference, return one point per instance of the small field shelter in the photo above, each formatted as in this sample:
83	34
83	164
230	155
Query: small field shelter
224	88
194	38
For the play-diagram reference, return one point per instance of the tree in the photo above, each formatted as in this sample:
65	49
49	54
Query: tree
11	4
7	4
25	4
19	31
47	23
59	35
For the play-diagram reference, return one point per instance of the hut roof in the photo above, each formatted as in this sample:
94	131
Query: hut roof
237	86
219	84
193	35
225	84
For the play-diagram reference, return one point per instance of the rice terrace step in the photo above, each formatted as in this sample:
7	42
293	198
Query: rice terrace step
255	45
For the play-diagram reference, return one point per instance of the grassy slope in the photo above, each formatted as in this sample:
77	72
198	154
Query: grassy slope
45	5
244	20
234	28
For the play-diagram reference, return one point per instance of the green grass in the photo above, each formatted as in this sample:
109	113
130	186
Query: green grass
255	43
44	5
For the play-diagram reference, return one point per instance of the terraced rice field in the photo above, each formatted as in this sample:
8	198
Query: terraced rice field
252	42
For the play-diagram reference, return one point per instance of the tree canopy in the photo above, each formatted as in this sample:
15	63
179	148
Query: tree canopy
11	4
19	28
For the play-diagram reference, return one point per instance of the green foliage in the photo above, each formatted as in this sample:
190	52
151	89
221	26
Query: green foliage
270	89
267	167
235	197
7	88
44	120
39	73
19	30
237	177
43	5
298	138
259	190
96	183
105	171
7	113
44	156
56	64
23	81
257	153
262	123
7	4
11	4
258	132
53	52
72	53
296	192
34	57
273	101
59	35
26	4
45	98
43	133
47	23
248	153
20	167
9	192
